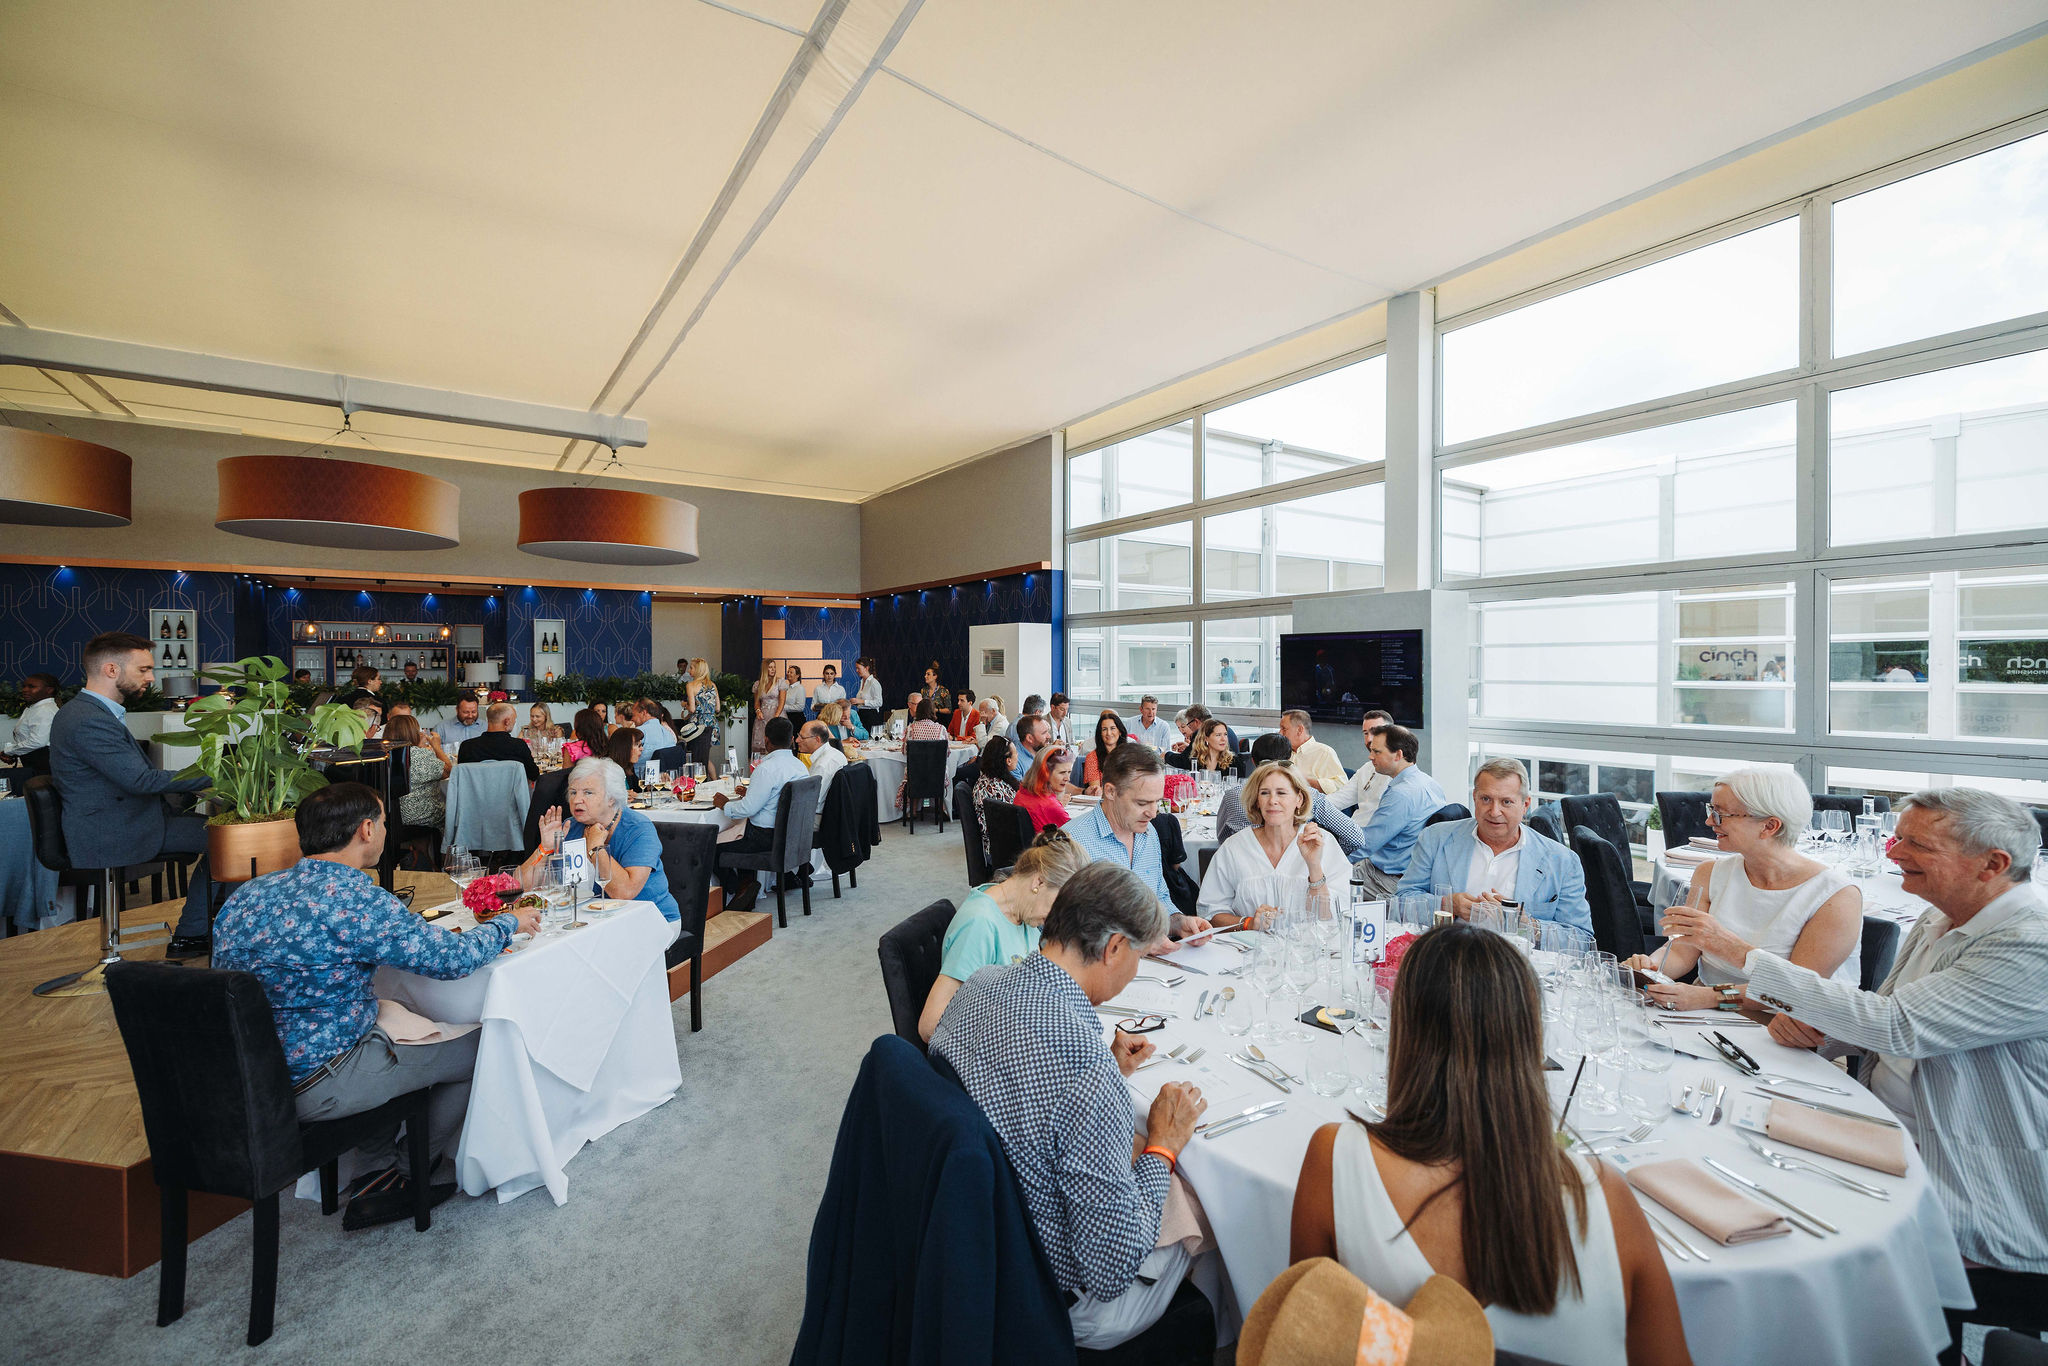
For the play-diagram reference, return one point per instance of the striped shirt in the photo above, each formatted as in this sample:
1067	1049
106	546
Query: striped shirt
1965	1006
1028	1047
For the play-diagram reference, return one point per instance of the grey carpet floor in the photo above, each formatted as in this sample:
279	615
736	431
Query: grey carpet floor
685	1233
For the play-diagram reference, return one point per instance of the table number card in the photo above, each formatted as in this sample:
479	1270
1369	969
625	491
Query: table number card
576	869
1368	932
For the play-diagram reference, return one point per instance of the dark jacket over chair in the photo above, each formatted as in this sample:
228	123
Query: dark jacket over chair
1616	929
1173	853
852	824
911	952
922	1252
114	810
688	853
1683	816
1450	811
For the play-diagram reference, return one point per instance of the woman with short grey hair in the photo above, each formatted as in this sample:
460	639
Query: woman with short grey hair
1764	895
620	844
1100	901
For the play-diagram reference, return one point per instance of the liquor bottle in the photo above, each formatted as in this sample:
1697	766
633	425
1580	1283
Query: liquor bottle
181	628
183	662
165	632
167	656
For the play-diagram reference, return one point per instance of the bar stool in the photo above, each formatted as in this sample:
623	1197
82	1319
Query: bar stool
46	836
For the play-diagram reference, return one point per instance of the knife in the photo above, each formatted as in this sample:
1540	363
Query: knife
1804	1222
1831	1109
1199	972
1241	1114
1260	1073
1237	1124
1753	1065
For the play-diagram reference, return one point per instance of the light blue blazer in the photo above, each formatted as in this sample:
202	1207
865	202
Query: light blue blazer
1549	880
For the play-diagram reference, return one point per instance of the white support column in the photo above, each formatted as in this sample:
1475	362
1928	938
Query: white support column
1411	441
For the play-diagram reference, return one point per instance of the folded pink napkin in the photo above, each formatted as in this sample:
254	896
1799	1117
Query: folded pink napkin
404	1026
1708	1203
1707	842
1183	1220
1876	1146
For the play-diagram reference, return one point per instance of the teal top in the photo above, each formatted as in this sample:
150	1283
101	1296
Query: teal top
981	936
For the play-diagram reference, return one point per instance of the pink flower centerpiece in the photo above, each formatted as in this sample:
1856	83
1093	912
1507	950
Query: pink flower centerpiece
486	896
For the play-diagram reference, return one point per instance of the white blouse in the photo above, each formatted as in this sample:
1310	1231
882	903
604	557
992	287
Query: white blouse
1237	873
1590	1329
1771	921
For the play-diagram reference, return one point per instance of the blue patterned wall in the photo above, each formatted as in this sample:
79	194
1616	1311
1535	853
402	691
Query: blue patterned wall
906	631
607	631
838	628
48	613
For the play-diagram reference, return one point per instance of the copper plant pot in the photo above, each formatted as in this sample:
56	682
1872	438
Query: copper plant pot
273	844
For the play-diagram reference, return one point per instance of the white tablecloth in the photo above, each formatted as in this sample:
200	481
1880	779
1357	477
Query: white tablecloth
1867	1295
1883	895
888	765
577	1040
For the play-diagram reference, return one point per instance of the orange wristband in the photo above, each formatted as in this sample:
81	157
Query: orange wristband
1172	1162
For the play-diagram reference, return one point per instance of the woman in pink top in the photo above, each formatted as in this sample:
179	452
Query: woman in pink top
1038	795
926	726
590	737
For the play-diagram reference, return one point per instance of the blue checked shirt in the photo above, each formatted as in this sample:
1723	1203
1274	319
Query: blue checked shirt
1093	833
1029	1049
1411	798
314	935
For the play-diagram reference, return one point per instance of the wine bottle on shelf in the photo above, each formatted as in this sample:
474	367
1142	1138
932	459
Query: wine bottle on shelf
164	631
183	662
181	628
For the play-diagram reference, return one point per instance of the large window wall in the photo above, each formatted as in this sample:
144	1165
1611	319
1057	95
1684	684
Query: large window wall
1776	492
1187	545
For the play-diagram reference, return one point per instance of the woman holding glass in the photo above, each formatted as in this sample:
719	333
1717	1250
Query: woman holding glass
1463	1177
1766	895
1281	842
620	843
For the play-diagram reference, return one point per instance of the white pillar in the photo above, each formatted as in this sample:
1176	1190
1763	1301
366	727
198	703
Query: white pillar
1411	431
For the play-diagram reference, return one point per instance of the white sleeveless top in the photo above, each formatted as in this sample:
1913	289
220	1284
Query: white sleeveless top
1590	1329
1771	921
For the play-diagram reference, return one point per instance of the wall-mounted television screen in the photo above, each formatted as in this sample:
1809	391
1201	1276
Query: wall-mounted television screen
1340	675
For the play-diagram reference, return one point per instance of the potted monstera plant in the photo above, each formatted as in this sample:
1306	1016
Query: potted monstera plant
252	747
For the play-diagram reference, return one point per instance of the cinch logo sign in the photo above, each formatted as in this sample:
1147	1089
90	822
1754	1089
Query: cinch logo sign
1742	656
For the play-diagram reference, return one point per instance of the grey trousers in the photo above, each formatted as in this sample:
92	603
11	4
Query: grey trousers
377	1070
1380	886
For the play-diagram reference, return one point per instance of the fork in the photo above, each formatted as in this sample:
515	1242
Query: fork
1195	1056
1169	1056
1785	1163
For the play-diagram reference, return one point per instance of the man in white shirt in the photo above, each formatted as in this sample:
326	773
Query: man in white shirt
1956	1038
828	690
1062	730
1362	790
1152	728
1314	761
821	756
32	727
757	808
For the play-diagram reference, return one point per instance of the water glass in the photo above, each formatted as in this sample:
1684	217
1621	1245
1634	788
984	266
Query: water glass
1328	1074
1234	1013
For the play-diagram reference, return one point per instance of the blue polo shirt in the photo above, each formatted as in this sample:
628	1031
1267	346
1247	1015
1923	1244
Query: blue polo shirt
1093	833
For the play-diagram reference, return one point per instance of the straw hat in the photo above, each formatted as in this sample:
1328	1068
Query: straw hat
1318	1314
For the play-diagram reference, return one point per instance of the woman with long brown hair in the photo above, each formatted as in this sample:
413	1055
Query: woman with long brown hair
1110	731
590	737
1463	1176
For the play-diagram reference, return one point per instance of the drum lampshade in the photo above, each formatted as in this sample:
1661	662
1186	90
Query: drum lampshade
341	503
52	480
607	526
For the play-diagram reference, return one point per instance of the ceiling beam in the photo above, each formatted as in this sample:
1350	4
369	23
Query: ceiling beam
352	394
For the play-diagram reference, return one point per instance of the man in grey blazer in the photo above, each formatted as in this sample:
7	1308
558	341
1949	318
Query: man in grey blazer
115	812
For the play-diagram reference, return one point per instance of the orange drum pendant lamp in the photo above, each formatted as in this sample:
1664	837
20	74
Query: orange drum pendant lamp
52	480
607	526
340	503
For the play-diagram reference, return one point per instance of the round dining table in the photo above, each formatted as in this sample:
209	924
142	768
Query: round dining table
1872	1292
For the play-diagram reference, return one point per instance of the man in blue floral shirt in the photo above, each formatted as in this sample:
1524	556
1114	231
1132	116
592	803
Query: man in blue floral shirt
314	935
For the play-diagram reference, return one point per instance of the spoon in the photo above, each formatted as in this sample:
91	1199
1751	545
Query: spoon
1253	1049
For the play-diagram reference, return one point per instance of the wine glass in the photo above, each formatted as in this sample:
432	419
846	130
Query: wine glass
1304	968
462	868
1268	974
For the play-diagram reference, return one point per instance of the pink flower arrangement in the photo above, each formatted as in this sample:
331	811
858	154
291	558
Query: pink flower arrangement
484	897
1390	963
